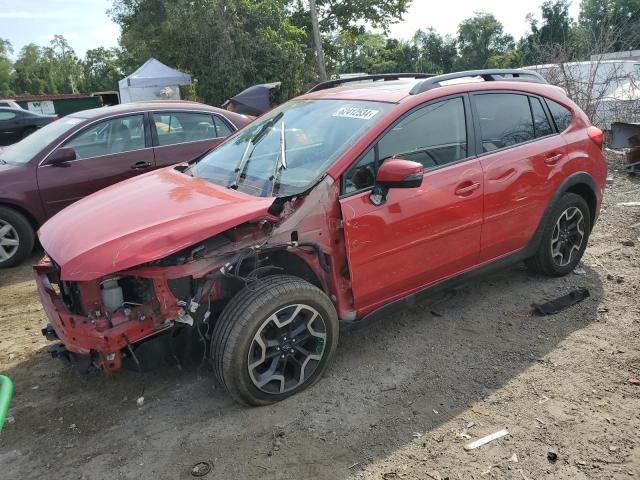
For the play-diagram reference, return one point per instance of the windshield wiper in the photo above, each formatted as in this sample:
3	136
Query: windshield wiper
251	146
281	164
3	162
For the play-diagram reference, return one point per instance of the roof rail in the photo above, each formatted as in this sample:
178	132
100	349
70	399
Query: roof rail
509	74
373	78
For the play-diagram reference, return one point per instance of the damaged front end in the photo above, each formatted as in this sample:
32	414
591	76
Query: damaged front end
162	311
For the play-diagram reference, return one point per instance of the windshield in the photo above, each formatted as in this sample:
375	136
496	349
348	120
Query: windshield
285	151
27	148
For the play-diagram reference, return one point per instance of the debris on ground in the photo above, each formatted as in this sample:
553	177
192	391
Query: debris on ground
579	271
633	381
557	305
200	469
486	439
628	204
140	401
552	456
628	243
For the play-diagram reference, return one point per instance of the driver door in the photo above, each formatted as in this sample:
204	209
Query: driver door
423	235
107	152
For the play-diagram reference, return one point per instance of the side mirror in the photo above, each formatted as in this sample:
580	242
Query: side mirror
62	155
396	173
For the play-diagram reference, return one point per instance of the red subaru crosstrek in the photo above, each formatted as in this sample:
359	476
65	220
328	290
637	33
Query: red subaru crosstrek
329	208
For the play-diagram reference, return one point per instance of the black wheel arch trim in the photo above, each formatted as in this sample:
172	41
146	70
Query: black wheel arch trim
578	178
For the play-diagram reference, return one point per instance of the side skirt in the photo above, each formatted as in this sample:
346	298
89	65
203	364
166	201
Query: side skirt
449	283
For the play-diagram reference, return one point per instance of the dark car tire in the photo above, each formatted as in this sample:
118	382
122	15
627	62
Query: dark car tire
21	230
27	132
570	211
249	315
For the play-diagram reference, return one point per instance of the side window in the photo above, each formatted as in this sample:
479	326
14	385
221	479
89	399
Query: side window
182	127
122	134
505	120
561	115
7	115
541	123
222	128
434	135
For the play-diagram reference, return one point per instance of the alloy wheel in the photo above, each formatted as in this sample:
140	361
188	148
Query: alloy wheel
568	235
9	241
287	349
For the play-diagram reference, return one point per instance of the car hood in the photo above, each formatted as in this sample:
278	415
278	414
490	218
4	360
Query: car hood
140	220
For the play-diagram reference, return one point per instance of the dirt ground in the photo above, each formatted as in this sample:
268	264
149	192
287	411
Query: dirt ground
403	396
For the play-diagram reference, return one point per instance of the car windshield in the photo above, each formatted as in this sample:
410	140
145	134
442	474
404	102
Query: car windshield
285	151
27	148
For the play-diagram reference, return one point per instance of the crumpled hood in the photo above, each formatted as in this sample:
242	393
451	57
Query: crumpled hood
140	220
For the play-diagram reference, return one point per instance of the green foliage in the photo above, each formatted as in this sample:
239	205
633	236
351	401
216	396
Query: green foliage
480	38
102	69
226	45
6	67
617	22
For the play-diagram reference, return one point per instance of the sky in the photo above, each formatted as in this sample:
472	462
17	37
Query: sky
85	23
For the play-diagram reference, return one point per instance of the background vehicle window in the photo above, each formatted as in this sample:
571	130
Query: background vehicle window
182	127
222	128
7	115
434	135
561	115
122	134
540	121
505	120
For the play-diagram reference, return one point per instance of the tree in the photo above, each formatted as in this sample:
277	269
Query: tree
47	70
480	38
227	45
6	67
102	69
615	19
437	54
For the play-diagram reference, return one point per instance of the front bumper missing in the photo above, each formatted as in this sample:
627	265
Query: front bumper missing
87	337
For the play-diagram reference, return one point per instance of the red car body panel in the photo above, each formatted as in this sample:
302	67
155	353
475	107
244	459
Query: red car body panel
464	215
141	220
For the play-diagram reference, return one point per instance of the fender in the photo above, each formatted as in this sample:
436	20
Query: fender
576	178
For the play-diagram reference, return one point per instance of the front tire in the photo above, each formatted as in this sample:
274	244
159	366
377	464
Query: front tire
16	238
564	238
274	339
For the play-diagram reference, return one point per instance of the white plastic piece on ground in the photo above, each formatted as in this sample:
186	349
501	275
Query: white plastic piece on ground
487	439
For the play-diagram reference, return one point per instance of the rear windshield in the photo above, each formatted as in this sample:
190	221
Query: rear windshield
26	149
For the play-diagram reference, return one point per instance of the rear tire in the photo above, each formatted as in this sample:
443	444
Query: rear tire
16	238
564	238
275	338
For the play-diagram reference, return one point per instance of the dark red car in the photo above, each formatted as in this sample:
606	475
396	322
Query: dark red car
332	207
87	151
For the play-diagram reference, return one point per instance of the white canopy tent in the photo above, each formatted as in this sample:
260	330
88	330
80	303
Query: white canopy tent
152	81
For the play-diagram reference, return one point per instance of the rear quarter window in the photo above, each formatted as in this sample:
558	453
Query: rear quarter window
561	115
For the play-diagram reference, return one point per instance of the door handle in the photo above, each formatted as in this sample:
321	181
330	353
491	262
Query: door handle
466	188
553	159
140	166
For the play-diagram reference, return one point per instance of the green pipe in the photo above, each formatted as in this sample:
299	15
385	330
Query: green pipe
6	390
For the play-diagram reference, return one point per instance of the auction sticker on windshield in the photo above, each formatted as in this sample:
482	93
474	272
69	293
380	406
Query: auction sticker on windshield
356	112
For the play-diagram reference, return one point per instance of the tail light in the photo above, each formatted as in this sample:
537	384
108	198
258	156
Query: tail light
596	135
56	117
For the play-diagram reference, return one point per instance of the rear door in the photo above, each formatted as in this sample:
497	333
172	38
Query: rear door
183	136
419	236
107	152
519	151
9	127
